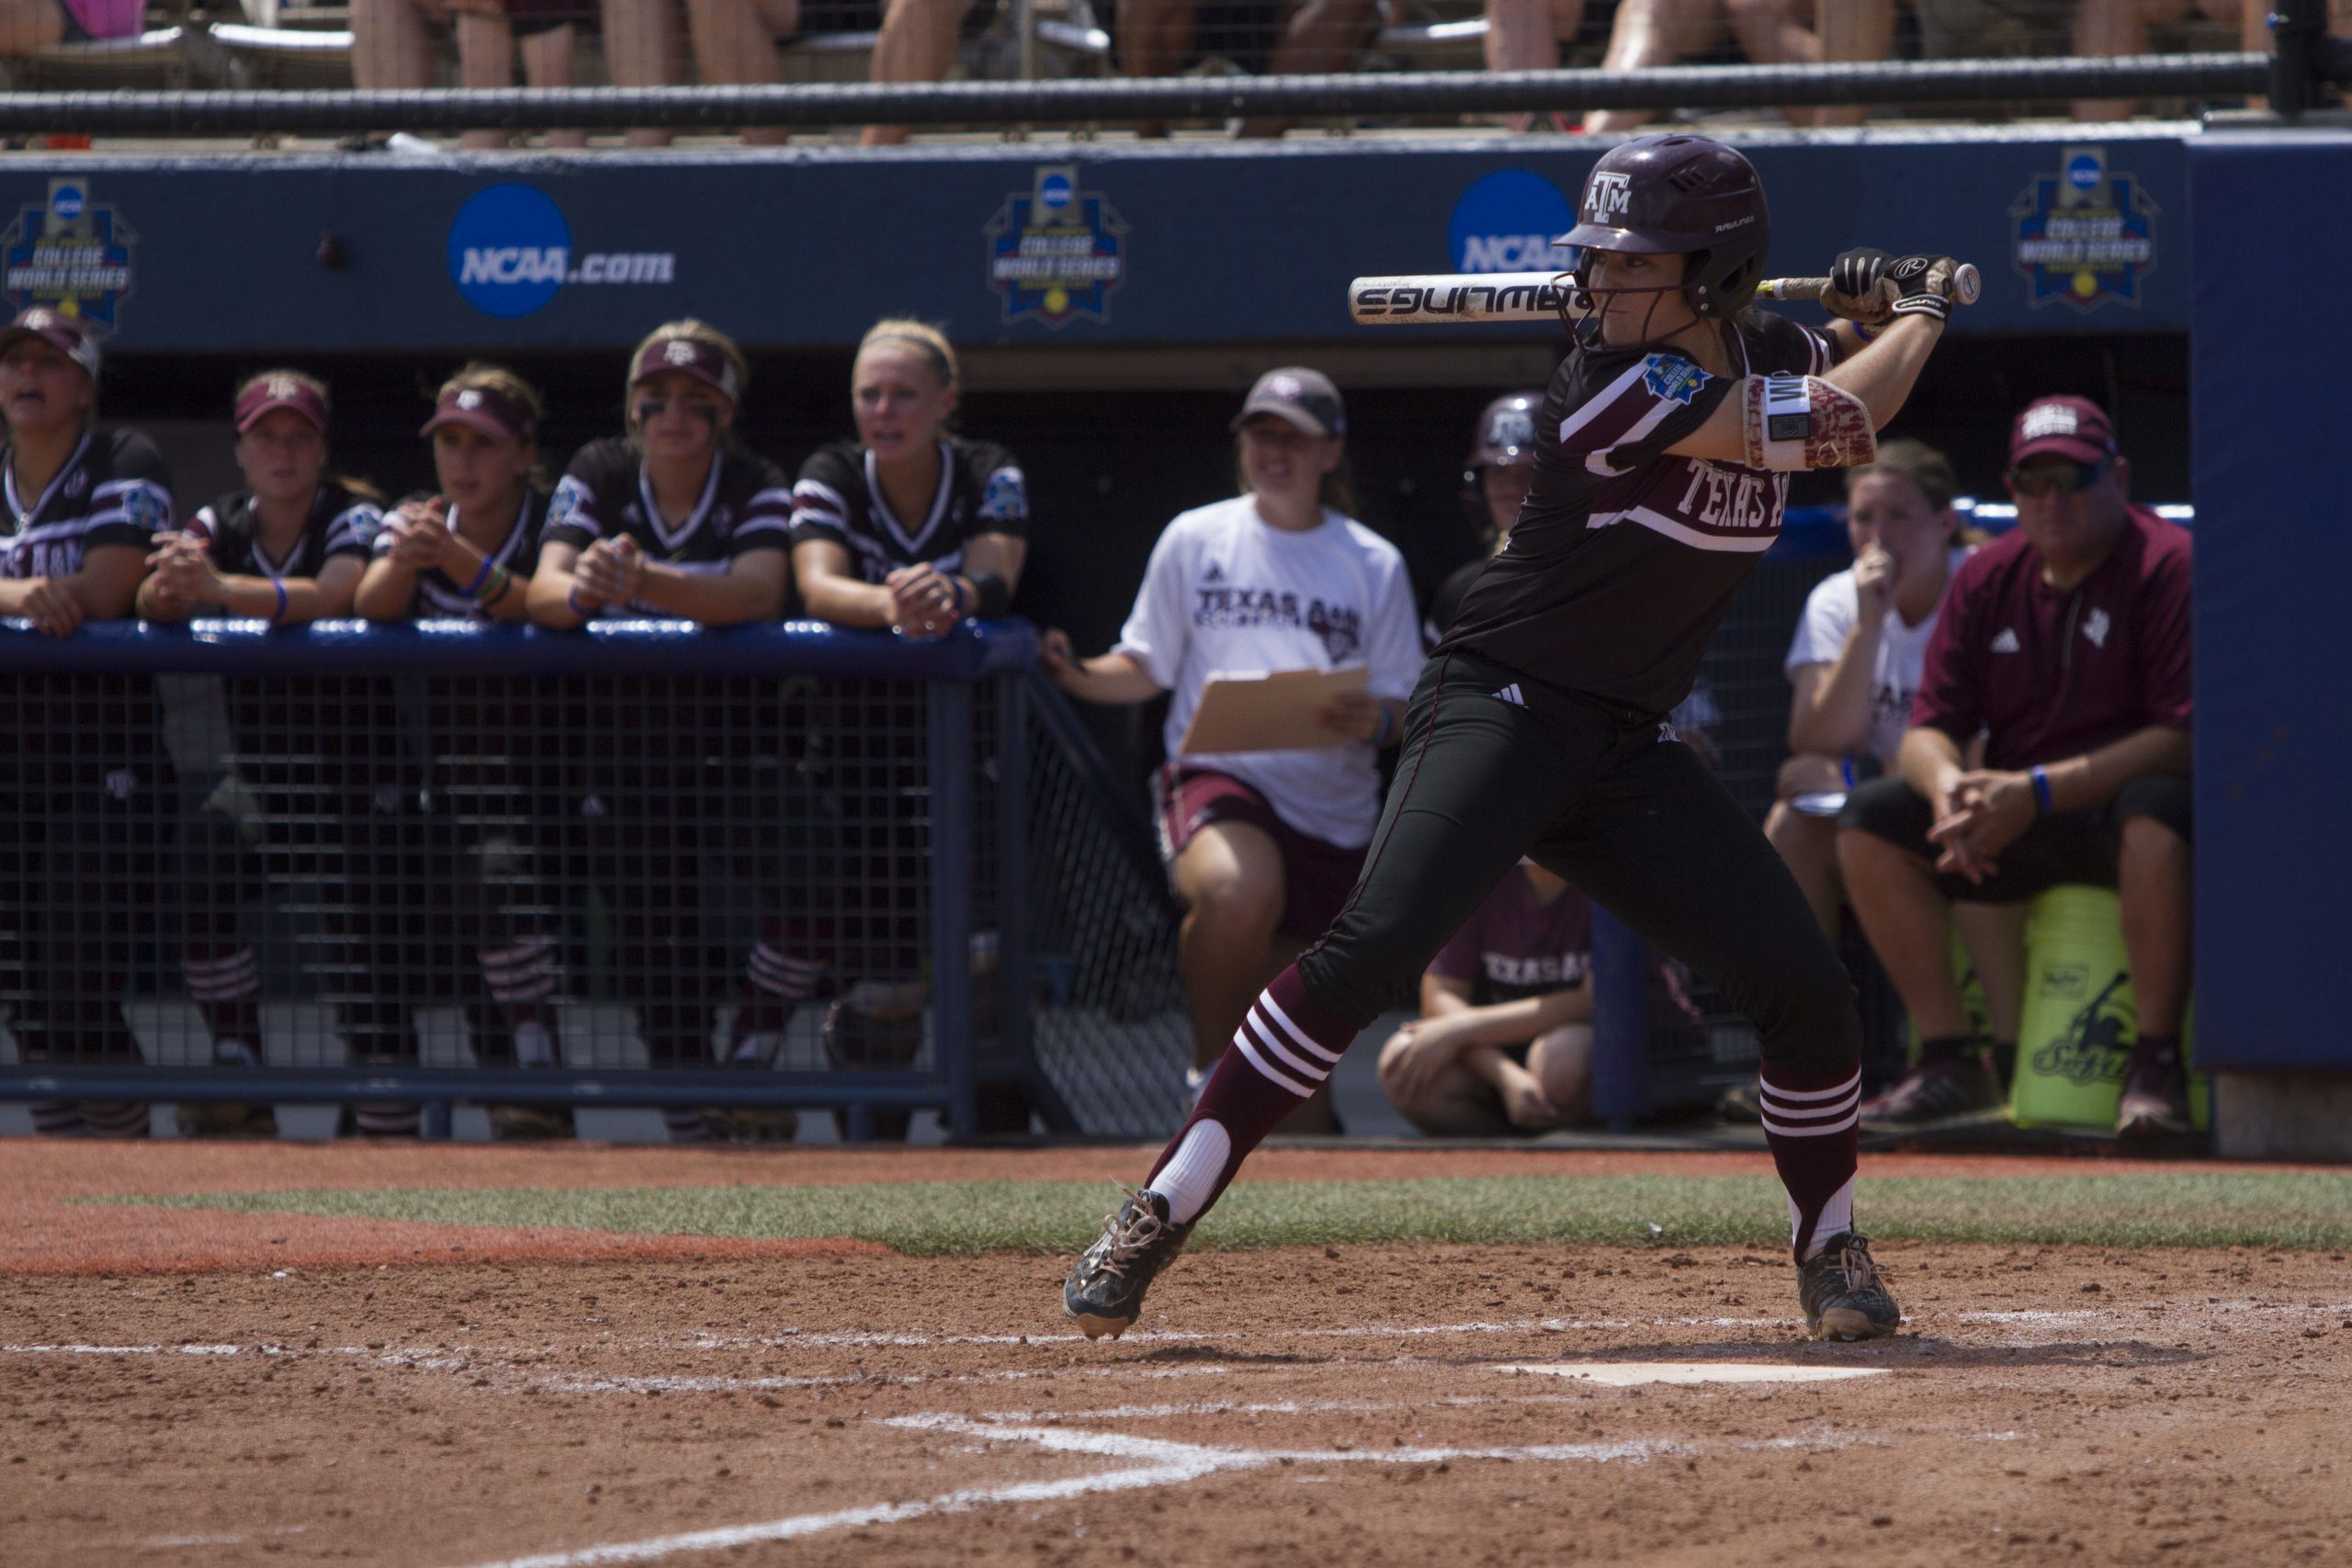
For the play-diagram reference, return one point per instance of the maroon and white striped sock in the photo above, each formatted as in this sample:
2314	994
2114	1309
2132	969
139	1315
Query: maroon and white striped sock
1280	1054
225	983
775	984
1811	1122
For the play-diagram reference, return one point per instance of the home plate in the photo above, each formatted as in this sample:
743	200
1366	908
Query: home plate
1625	1374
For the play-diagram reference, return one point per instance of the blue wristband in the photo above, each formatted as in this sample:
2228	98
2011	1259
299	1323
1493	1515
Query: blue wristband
1862	331
487	566
1846	773
2041	788
281	615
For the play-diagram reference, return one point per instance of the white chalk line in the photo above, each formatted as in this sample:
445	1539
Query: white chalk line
1629	1374
439	1357
1162	1463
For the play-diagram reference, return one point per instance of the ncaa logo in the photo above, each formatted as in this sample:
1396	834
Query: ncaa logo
1506	221
66	203
1608	196
1055	193
509	249
2085	171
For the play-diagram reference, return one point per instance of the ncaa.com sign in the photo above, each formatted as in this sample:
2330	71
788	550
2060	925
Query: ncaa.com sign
510	252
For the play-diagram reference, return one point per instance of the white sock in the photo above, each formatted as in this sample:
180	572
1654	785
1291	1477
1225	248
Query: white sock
1189	1179
533	1045
1836	1218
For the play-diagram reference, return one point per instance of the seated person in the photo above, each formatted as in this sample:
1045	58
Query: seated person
2066	645
1504	1042
29	25
391	46
1167	37
1855	660
735	41
1652	33
2120	26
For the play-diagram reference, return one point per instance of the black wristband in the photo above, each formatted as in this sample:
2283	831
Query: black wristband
993	598
1925	304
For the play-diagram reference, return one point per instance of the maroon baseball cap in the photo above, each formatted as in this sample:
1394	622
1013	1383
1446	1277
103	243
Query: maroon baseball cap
59	331
485	408
280	390
2071	427
1303	397
701	360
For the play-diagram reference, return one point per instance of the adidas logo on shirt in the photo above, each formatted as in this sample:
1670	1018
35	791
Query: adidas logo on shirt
2006	642
1510	695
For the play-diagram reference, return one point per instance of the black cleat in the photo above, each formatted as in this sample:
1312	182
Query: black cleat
1104	1290
1842	1294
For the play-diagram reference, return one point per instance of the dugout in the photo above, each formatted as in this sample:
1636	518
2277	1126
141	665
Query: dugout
1113	299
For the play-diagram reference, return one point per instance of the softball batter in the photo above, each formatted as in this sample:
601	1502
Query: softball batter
1663	454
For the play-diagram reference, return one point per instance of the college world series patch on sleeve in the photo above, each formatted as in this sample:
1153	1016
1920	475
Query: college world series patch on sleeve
1673	378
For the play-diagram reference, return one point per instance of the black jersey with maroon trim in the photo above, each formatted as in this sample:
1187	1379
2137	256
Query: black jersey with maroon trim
745	505
113	490
839	499
341	523
1624	558
440	596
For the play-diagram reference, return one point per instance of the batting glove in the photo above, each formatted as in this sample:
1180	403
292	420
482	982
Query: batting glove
1923	286
1857	289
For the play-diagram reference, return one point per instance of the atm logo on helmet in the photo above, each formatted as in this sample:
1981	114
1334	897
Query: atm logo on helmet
1608	198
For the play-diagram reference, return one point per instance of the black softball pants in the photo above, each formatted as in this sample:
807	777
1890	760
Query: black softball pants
1494	768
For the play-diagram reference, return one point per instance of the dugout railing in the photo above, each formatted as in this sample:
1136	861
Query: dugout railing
409	836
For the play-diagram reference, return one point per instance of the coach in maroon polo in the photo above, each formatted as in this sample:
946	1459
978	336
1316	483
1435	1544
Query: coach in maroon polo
2066	645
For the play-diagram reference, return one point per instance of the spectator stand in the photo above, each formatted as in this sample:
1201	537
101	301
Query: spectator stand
1046	932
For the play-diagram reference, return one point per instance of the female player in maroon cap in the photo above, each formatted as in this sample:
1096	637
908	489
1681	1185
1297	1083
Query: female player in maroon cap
464	550
1662	461
287	548
672	520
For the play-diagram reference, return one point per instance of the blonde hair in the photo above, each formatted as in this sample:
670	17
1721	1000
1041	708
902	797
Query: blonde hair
924	338
1928	470
693	330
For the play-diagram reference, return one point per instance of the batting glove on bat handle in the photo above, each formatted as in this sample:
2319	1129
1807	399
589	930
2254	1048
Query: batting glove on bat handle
1856	287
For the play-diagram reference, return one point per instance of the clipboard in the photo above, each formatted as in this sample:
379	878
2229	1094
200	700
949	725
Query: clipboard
1273	712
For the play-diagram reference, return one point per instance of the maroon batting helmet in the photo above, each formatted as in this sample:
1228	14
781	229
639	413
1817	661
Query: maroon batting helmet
1680	195
1505	434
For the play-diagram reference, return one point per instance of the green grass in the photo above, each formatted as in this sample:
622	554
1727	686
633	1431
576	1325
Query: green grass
2303	1210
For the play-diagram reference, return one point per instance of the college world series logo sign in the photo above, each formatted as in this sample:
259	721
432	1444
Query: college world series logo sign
1056	252
2085	235
72	255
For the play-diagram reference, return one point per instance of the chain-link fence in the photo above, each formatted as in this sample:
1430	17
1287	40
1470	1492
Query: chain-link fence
393	867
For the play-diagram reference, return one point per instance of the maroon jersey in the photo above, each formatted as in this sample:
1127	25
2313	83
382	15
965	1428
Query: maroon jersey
1624	559
1517	945
2050	675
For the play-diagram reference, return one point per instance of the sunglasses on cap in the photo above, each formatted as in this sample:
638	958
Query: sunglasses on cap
2057	475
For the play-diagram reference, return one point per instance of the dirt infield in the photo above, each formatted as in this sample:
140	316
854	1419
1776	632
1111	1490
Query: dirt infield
1354	1406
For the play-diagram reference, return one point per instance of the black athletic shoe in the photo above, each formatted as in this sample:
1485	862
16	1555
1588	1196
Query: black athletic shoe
1104	1290
1842	1294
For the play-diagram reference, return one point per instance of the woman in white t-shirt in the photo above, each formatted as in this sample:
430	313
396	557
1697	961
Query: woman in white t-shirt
1263	847
1856	660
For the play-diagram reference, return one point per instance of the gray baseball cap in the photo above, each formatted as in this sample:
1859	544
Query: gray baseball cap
1303	397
